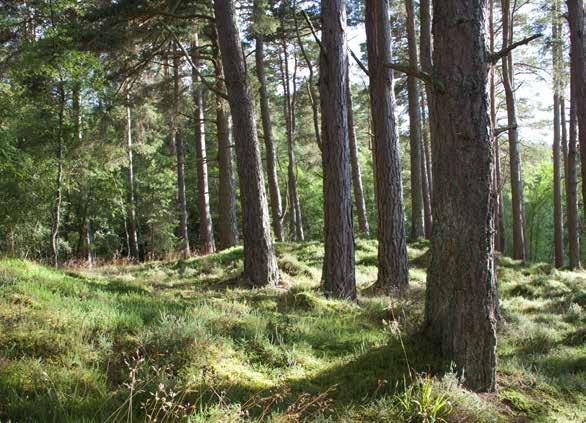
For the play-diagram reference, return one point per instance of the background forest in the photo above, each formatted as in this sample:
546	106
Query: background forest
292	210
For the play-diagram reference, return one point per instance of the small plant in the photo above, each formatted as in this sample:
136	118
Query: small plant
418	403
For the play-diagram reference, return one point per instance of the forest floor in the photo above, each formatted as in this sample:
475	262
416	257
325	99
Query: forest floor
168	339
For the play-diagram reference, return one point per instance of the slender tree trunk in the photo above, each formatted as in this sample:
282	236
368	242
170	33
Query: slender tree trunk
180	152
338	268
425	170
519	244
207	244
392	245
557	160
289	112
310	85
260	261
572	188
461	297
76	99
499	231
425	48
356	173
267	129
59	181
417	221
578	77
227	225
131	200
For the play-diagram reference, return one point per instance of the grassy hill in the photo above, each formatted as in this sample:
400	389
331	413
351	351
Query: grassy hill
183	340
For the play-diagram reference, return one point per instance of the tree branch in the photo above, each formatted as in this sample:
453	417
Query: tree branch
359	62
417	73
195	69
495	57
317	40
498	131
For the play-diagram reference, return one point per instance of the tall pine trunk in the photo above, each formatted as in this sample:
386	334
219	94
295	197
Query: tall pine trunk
425	170
425	54
461	296
260	261
207	244
289	112
130	200
572	187
578	78
338	267
267	129
359	202
227	219
417	220
557	156
519	241
177	135
499	225
392	245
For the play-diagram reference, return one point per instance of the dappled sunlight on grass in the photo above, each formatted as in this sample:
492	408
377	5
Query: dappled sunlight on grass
71	342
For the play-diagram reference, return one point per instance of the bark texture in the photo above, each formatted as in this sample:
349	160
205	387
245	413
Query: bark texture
260	261
392	245
415	153
578	77
338	267
227	224
207	244
572	188
518	218
267	130
461	296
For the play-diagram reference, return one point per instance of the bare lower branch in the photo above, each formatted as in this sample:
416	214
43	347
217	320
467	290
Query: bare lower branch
495	57
417	73
359	62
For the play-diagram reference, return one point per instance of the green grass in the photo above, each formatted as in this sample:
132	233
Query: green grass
182	340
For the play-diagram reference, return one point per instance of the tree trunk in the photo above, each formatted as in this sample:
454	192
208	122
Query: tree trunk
557	161
59	181
426	65
310	85
499	229
519	244
227	225
267	129
578	77
289	112
131	201
392	244
461	296
417	222
338	268
207	244
260	261
572	188
425	170
180	152
356	173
